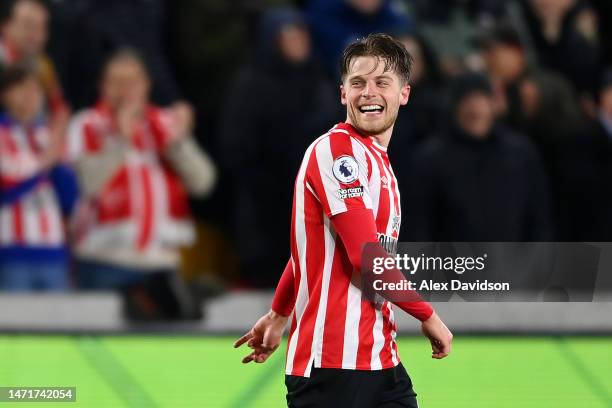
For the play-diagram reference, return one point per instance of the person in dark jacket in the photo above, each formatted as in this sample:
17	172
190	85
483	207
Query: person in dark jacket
478	181
276	107
559	43
335	23
538	103
588	181
428	99
426	111
85	33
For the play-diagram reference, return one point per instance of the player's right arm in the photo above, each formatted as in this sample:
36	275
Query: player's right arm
266	335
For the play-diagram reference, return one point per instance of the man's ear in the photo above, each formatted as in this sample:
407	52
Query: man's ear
404	94
342	95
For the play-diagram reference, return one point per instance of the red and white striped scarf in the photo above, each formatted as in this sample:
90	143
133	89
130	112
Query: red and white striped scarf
144	204
35	219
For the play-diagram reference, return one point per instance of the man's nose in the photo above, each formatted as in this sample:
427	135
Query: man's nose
368	91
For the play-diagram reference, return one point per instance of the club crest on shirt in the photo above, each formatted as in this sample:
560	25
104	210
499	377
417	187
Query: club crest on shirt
396	222
346	169
384	181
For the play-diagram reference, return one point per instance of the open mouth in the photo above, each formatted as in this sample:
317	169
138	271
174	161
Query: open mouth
371	109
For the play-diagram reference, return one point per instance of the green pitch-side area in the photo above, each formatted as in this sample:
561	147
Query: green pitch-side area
160	371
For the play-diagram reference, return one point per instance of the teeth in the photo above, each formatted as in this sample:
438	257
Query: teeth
369	108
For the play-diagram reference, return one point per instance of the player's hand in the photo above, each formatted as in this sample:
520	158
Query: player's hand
264	338
439	336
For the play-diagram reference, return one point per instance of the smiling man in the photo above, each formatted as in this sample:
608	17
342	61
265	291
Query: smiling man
342	350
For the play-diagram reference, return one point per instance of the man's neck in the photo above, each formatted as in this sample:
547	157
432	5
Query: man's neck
382	139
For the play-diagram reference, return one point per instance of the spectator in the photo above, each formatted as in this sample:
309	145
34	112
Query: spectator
561	44
34	188
588	198
478	181
24	37
527	97
89	31
335	23
264	134
424	114
134	161
537	103
441	11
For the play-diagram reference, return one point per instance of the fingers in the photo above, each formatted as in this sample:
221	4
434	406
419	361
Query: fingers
248	359
439	336
262	358
269	348
440	349
257	356
251	343
241	340
260	354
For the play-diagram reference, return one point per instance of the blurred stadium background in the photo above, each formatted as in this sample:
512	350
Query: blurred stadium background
231	94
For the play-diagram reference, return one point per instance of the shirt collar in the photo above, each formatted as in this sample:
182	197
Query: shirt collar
367	140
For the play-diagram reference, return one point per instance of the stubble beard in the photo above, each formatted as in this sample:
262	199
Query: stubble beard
371	129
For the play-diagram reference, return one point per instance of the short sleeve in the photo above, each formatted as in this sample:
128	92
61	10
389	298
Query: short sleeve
338	173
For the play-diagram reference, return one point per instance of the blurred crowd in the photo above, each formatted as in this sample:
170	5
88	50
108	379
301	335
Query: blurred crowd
132	129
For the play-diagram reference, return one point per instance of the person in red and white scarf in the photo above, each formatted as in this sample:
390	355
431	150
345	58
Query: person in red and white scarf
36	189
135	163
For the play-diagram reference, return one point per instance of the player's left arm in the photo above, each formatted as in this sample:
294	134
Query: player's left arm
357	228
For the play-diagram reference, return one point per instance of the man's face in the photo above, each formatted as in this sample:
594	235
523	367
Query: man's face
475	114
26	28
23	100
372	96
125	82
294	43
505	62
551	9
366	6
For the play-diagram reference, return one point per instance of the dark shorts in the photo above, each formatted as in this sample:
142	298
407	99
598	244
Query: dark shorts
331	387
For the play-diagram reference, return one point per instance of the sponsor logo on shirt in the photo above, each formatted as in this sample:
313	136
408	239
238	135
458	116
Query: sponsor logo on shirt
346	169
352	192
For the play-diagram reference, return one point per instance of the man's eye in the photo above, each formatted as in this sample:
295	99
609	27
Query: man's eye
383	83
356	83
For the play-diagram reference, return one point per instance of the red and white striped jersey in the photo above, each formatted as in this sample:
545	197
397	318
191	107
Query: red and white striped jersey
143	206
332	326
34	219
